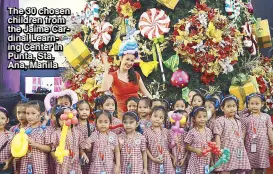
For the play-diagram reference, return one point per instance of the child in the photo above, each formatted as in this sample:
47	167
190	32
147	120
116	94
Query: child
132	146
109	103
36	159
197	100
166	104
179	152
84	126
258	134
158	139
228	134
131	104
190	96
5	139
212	105
74	142
144	109
106	152
156	102
65	100
179	104
20	111
197	140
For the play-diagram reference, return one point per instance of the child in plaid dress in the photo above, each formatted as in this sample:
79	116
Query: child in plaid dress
85	127
74	143
132	103
228	134
132	146
36	159
212	105
104	146
143	110
109	103
158	139
196	141
5	139
258	134
190	96
179	104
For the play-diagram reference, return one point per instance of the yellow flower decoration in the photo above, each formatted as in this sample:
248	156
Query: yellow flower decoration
89	85
127	9
213	33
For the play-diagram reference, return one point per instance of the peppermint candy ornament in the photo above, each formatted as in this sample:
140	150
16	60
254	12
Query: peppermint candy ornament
101	35
153	23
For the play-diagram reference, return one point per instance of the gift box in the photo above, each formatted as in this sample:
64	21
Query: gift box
242	86
77	54
168	3
262	32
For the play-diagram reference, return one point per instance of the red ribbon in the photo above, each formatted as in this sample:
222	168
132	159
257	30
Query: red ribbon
116	126
160	149
101	156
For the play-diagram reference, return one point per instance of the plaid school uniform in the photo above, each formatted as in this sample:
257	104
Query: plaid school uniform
256	129
179	149
131	153
74	142
144	124
84	130
51	160
35	157
211	123
103	152
158	144
230	132
116	121
198	139
5	137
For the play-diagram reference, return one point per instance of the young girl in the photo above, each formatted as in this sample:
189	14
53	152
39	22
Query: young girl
84	126
197	100
179	151
74	142
132	146
5	139
36	159
158	140
212	105
109	103
228	134
131	104
143	110
65	100
258	134
20	111
104	145
197	140
179	104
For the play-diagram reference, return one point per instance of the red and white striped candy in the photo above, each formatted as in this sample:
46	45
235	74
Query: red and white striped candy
102	35
153	23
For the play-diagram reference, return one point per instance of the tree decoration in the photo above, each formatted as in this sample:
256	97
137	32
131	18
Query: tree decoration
232	7
101	35
172	63
249	40
207	42
180	79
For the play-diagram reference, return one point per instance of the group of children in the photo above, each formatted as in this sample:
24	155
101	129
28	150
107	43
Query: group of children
140	142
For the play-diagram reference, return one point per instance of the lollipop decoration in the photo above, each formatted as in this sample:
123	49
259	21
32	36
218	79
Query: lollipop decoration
223	160
249	40
177	118
180	78
69	117
101	35
153	24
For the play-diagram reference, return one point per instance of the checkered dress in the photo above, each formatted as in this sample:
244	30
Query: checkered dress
198	139
144	124
155	140
179	149
75	142
5	154
260	158
116	121
35	157
227	129
84	130
131	153
211	123
51	160
103	145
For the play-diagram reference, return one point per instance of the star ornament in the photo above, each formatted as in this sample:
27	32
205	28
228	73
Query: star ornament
127	10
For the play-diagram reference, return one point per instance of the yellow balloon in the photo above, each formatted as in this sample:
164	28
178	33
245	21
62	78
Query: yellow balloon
183	120
61	152
115	47
171	120
19	144
70	115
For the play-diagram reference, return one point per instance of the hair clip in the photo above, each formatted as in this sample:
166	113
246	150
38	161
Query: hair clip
23	98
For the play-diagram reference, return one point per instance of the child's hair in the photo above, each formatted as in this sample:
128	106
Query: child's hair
66	97
196	110
197	91
261	96
201	96
147	100
229	98
180	112
4	110
135	99
214	101
167	103
161	108
156	99
77	107
134	116
101	100
57	111
186	104
98	113
39	105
